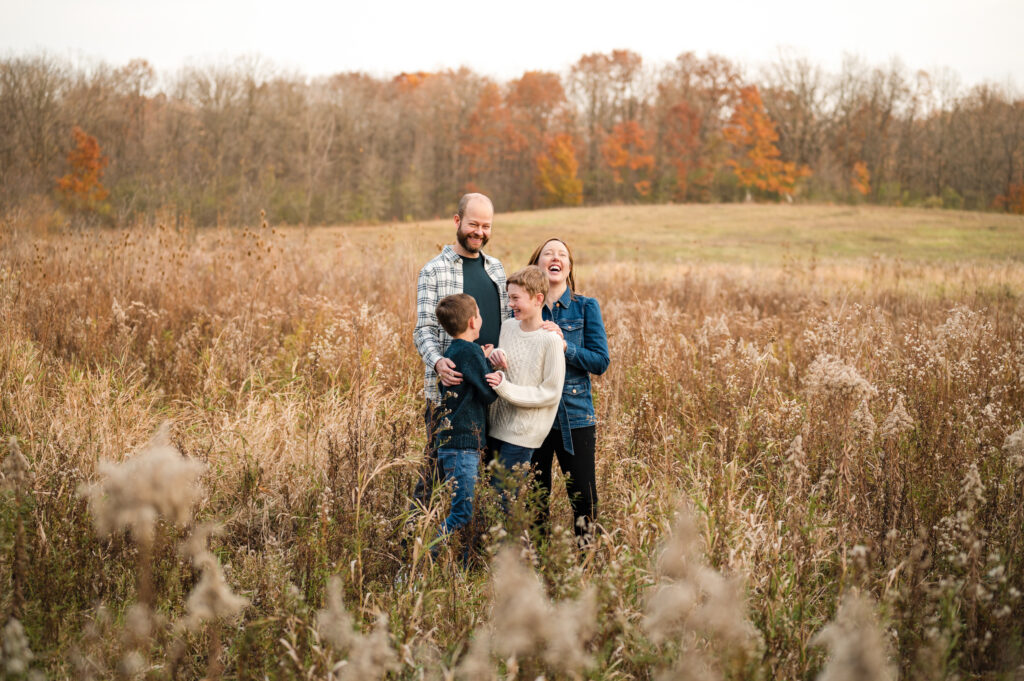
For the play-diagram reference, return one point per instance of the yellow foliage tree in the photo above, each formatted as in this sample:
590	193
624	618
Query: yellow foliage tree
557	170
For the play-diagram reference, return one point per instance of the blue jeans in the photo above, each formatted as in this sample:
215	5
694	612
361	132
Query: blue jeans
509	455
460	466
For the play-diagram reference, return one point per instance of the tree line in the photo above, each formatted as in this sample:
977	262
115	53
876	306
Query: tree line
217	143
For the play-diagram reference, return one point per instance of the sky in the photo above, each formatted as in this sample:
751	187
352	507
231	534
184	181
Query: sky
980	40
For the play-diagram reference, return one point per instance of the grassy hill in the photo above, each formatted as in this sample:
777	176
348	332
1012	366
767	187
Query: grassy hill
756	234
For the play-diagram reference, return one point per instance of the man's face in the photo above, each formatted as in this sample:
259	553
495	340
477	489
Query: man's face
474	230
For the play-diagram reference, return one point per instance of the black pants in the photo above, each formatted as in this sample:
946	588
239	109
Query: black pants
580	479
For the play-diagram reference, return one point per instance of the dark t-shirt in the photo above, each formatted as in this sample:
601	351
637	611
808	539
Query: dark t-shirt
476	283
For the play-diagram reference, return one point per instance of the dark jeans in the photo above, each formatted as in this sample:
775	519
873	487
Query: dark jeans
512	455
508	455
580	479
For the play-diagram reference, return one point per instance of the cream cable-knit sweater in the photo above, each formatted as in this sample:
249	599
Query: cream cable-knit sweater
531	387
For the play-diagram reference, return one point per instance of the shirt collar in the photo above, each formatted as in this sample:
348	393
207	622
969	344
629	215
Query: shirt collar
565	298
449	253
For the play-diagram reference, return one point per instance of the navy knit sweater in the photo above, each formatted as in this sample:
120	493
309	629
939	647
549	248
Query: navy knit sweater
463	412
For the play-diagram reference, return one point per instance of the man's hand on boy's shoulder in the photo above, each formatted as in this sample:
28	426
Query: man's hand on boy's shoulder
445	370
494	378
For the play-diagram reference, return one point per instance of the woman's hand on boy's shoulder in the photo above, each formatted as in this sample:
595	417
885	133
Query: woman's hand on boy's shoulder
555	328
552	326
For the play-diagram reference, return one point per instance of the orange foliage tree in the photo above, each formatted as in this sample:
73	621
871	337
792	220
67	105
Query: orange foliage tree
489	141
753	136
1013	200
682	142
557	172
861	180
81	189
626	152
537	108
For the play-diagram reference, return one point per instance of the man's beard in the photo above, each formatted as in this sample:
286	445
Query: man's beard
463	240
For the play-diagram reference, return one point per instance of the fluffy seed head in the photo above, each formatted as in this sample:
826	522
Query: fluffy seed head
333	622
211	598
693	598
370	656
132	494
863	422
856	645
1013	446
15	470
898	421
16	653
527	624
829	376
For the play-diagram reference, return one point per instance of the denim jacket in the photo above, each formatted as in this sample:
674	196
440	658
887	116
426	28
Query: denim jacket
586	353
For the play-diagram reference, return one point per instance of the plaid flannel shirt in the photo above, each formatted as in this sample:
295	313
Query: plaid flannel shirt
441	277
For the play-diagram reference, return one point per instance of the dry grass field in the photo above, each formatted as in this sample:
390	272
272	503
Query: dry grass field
810	457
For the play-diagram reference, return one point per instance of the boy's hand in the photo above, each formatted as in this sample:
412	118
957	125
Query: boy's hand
488	348
498	359
445	369
494	379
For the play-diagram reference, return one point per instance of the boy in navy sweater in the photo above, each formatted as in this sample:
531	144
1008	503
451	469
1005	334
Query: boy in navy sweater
462	431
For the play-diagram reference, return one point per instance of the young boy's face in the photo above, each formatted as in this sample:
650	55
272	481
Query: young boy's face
473	329
523	304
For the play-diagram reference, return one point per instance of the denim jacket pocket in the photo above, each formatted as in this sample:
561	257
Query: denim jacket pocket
572	330
579	405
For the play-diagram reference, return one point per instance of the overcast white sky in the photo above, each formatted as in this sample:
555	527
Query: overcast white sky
979	39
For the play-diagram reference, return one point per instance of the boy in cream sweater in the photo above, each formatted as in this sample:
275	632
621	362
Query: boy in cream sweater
530	387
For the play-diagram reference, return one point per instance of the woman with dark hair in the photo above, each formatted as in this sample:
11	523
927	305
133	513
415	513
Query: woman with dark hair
572	440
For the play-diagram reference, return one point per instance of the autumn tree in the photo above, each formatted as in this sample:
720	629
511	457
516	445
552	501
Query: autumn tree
217	142
753	136
81	189
794	96
861	180
682	145
489	141
557	172
626	152
538	110
605	89
694	98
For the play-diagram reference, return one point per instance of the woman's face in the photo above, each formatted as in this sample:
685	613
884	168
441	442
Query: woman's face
554	260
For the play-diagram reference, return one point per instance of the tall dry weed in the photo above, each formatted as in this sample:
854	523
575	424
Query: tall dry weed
806	411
